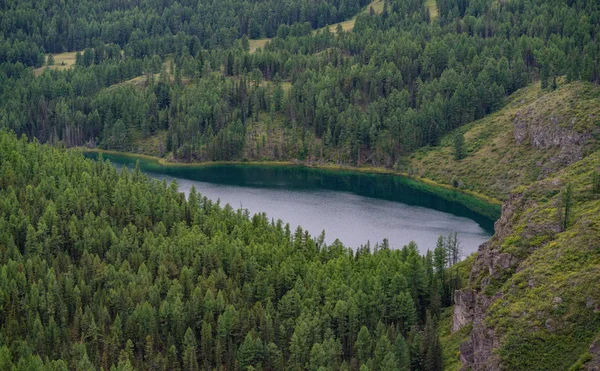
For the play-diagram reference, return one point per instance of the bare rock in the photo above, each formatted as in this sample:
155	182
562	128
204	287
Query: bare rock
594	363
464	304
557	300
546	132
478	352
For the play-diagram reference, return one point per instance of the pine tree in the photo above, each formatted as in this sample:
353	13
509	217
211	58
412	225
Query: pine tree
459	146
382	349
402	355
431	350
247	352
190	358
564	206
362	346
389	362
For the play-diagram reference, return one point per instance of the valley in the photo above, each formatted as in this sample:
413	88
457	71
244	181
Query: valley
340	185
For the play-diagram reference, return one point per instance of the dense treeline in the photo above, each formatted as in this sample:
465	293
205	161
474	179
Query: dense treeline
398	82
100	268
32	27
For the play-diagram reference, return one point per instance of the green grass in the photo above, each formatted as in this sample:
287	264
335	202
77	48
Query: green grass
548	312
255	44
433	10
537	328
62	62
492	153
450	341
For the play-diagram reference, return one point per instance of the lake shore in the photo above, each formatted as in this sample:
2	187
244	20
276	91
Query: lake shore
476	201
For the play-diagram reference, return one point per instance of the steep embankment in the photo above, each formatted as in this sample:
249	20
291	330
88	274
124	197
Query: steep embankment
533	298
533	136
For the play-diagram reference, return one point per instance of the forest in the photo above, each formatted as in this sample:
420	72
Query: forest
107	269
179	79
103	269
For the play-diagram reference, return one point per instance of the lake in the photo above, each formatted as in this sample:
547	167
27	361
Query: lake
353	207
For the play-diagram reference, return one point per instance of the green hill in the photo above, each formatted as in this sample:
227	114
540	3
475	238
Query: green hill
532	298
101	269
533	136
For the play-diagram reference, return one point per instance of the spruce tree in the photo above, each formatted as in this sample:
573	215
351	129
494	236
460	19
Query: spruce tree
459	146
431	351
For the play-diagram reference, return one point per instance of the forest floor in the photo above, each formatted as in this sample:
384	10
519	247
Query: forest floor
62	61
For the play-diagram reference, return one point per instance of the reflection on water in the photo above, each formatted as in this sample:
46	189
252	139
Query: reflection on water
353	207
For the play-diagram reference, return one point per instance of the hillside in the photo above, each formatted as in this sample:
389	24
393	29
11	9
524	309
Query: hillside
408	73
533	136
532	298
101	269
113	271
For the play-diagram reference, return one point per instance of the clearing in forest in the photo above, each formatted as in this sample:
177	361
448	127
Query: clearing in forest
257	43
62	61
433	10
348	25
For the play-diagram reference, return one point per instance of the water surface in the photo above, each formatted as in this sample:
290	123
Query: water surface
355	208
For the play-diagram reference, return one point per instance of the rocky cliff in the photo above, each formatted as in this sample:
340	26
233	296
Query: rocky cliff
533	296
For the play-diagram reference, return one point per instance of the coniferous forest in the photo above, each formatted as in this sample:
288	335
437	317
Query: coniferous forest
184	78
105	269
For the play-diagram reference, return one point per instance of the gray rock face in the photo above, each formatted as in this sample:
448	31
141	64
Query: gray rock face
464	309
477	352
471	305
594	363
546	132
490	262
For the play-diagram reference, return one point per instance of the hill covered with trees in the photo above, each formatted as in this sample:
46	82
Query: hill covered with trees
149	79
113	270
101	269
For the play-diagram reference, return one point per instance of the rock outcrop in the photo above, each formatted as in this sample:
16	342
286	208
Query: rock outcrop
562	145
594	363
472	304
553	133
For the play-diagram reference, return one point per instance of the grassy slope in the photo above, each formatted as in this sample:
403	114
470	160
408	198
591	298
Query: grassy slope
495	163
347	25
62	61
550	308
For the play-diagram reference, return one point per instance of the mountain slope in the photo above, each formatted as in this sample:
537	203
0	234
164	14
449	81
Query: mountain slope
532	298
534	135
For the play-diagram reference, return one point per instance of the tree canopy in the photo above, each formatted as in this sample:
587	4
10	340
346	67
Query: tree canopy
110	269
